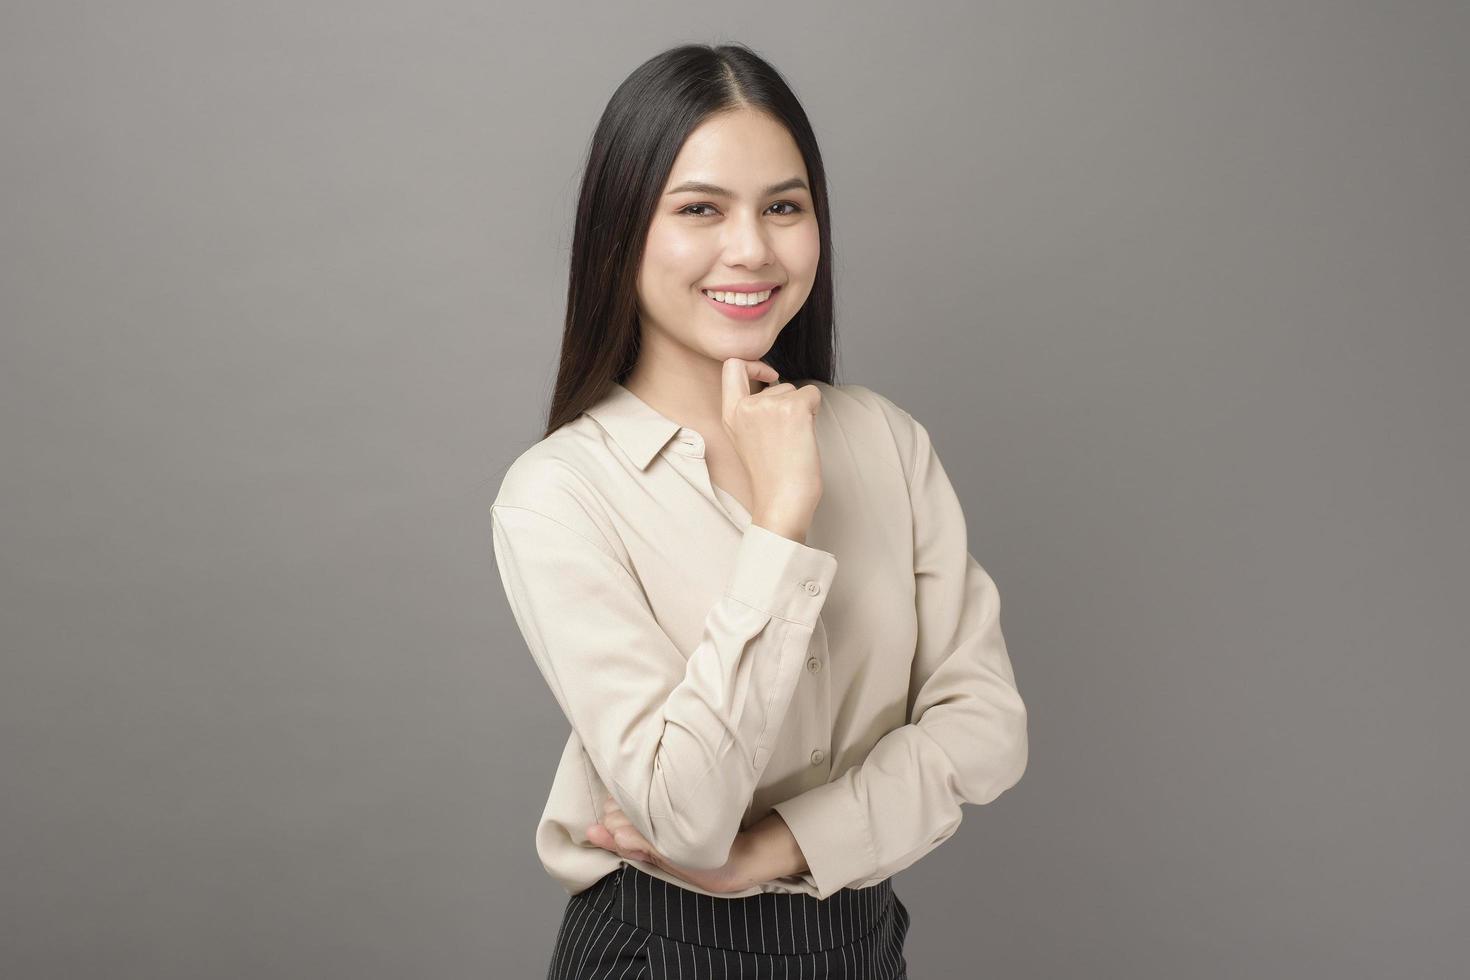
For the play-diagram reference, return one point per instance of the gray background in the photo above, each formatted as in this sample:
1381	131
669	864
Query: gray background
1179	288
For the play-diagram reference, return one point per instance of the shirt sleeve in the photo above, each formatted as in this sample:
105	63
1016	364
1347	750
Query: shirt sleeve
966	737
681	743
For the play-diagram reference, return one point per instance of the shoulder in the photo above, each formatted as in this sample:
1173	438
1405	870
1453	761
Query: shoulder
858	405
558	478
851	397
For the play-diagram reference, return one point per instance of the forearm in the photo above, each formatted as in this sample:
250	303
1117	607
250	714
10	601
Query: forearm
767	850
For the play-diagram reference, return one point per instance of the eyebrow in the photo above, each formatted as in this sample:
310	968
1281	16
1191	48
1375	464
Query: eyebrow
700	187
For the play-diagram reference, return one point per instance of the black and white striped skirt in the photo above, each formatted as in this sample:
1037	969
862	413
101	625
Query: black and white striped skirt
631	925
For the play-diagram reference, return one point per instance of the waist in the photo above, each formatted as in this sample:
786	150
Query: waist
768	922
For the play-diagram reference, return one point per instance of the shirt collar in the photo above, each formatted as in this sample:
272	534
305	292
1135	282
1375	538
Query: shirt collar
633	424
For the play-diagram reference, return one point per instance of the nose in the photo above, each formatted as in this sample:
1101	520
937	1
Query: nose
746	243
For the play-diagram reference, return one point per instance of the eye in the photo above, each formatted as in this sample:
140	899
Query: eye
795	209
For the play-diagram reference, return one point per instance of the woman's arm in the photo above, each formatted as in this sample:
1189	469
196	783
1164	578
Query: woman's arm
767	850
762	852
680	742
966	739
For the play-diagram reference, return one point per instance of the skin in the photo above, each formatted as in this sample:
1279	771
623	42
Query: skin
698	367
764	851
697	239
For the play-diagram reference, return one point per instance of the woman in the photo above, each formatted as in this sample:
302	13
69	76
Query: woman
751	597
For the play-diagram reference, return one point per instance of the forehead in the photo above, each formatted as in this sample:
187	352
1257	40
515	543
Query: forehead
743	150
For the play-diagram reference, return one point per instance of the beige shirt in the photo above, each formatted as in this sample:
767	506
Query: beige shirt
713	670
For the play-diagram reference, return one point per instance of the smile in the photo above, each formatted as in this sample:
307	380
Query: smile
742	306
740	299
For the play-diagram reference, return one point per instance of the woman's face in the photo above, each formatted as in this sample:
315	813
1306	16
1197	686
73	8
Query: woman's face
751	224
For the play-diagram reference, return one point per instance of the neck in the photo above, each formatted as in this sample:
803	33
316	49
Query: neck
684	389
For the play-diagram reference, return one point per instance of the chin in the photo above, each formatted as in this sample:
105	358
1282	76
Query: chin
751	346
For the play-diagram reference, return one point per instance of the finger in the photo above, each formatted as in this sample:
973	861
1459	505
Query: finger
613	814
622	830
599	836
627	835
736	376
761	371
734	385
613	819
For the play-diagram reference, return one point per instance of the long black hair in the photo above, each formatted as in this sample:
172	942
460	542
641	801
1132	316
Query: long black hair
633	149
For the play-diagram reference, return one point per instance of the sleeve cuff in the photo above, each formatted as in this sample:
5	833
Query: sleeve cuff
781	576
832	832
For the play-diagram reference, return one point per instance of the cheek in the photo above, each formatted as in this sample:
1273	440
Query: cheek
673	254
801	250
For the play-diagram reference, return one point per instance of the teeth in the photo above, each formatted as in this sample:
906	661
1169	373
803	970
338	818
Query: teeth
739	299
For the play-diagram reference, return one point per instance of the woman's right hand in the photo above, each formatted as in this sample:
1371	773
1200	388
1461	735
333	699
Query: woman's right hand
774	433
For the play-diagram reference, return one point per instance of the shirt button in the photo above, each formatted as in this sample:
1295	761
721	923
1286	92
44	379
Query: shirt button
812	588
813	664
817	757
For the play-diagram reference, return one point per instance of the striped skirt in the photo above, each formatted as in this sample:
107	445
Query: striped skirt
631	925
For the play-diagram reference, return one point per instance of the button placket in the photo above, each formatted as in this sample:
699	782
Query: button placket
819	724
686	454
692	442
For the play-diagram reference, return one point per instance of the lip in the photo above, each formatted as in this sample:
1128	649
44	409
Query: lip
743	287
744	312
